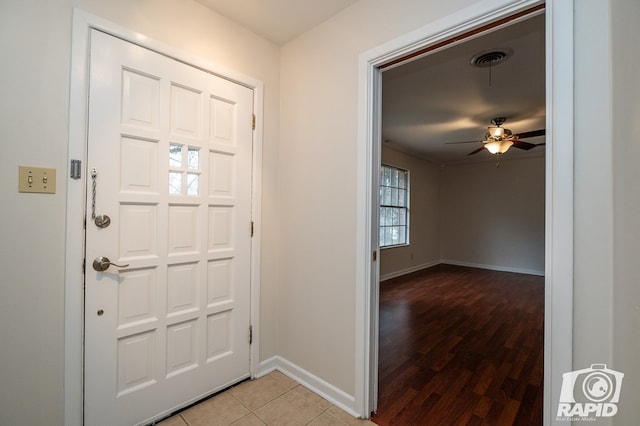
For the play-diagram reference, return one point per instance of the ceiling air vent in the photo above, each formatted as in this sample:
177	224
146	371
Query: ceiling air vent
490	58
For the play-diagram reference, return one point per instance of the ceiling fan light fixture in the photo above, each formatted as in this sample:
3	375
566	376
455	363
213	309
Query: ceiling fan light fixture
496	132
498	140
498	147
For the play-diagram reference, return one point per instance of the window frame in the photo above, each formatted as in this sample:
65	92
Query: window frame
406	209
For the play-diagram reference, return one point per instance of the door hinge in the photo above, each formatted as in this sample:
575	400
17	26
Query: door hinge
253	121
250	334
84	266
375	255
252	228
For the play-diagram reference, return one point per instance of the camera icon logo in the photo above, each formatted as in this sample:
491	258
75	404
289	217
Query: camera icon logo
591	392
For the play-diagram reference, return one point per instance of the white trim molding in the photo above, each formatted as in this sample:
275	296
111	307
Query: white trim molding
417	268
558	324
493	267
410	270
559	186
83	23
310	381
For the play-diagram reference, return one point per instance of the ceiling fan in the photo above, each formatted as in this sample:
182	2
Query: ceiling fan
498	139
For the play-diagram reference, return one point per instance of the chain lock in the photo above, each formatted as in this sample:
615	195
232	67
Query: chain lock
94	176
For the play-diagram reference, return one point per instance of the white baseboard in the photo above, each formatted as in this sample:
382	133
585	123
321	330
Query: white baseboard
395	274
314	383
406	271
493	267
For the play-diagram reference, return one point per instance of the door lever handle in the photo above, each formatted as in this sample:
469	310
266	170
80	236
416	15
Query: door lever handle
102	263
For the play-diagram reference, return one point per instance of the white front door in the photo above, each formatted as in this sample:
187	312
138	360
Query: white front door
171	146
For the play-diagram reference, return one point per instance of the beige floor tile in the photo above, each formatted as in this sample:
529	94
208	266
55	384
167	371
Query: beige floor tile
220	410
316	399
283	379
275	399
255	393
347	418
173	421
248	420
326	419
290	409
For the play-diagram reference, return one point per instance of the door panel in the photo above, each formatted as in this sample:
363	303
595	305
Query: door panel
171	148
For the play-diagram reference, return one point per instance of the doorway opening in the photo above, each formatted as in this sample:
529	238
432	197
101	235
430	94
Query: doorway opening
466	212
558	193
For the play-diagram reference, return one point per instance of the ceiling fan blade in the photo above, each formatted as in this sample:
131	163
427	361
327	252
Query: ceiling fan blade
523	145
531	134
526	145
476	151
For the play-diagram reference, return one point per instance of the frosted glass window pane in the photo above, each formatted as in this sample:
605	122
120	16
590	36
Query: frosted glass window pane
401	180
388	235
402	194
194	159
394	197
192	183
387	197
394	177
175	156
175	183
382	241
383	215
395	217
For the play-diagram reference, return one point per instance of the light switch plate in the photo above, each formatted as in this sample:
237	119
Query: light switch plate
36	179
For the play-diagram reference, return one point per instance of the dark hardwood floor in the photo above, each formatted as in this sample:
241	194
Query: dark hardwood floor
461	346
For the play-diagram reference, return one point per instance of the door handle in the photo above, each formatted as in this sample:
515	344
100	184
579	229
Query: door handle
102	263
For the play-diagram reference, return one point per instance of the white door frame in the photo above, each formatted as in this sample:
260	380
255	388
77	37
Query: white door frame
83	23
558	347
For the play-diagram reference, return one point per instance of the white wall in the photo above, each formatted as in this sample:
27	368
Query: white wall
606	230
35	42
626	201
593	202
494	217
318	160
424	229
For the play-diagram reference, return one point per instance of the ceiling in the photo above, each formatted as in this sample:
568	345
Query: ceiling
442	98
277	20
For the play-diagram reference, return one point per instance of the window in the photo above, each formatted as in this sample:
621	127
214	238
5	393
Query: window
394	206
184	170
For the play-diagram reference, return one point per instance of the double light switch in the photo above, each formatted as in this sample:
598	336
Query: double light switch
36	179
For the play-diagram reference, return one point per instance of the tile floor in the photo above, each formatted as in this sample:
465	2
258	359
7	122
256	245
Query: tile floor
274	400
